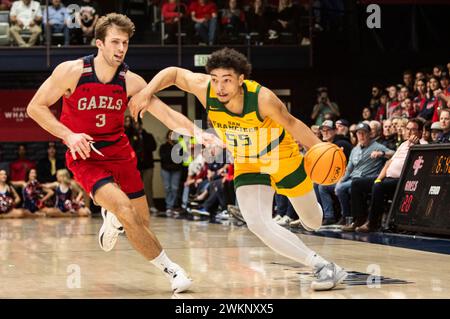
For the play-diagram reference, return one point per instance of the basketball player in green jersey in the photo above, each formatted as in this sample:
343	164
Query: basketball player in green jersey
259	131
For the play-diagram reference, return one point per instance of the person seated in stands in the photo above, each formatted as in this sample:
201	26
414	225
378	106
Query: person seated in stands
287	19
232	21
284	211
259	17
420	95
392	101
408	110
408	80
10	200
380	112
197	172
204	16
375	130
436	132
86	18
389	136
19	168
444	120
57	19
5	5
426	133
384	185
432	103
342	128
48	166
172	13
69	197
401	131
25	15
324	193
35	196
213	196
366	114
366	159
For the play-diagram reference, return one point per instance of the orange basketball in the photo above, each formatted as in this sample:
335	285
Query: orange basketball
325	163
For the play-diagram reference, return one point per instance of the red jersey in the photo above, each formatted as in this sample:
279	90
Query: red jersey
203	11
95	108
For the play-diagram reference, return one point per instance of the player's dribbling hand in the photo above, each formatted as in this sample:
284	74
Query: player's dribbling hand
79	143
139	103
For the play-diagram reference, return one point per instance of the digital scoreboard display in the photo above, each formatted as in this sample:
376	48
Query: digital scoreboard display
422	199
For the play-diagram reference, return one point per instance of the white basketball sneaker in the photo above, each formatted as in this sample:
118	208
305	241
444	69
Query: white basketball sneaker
178	279
110	230
328	276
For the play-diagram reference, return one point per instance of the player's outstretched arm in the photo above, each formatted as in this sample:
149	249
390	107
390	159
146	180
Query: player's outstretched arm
179	123
169	117
48	94
270	105
195	83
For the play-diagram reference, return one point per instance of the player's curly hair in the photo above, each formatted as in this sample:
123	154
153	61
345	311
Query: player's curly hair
227	58
113	19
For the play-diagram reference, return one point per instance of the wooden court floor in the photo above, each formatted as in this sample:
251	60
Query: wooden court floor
60	258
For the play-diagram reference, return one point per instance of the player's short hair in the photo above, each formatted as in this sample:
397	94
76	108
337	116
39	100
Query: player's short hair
113	19
227	58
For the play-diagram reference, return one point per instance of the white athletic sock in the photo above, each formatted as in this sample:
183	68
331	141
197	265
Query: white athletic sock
314	259
163	263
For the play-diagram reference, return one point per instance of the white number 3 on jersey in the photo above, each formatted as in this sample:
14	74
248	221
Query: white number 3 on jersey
101	120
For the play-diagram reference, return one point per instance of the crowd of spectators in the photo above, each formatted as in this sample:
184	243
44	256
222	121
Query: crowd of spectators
69	22
397	116
45	188
201	21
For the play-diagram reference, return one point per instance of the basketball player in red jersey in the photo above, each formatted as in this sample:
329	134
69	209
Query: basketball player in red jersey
95	92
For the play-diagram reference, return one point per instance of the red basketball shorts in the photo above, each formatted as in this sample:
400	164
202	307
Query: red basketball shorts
118	165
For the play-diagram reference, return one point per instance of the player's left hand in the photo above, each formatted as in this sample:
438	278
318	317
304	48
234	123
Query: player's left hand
138	104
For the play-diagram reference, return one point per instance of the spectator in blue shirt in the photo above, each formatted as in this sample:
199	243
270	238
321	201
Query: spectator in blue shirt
57	19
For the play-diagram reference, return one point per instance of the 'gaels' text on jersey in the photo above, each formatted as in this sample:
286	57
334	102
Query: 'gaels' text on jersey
95	108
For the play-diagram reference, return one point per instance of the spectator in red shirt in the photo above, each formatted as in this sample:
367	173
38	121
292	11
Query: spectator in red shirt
430	109
171	15
420	95
380	115
204	15
5	4
392	99
444	93
19	168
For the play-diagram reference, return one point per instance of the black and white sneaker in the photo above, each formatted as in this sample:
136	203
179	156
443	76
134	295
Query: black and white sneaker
110	230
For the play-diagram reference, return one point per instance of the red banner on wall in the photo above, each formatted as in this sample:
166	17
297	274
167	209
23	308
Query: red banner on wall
15	125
